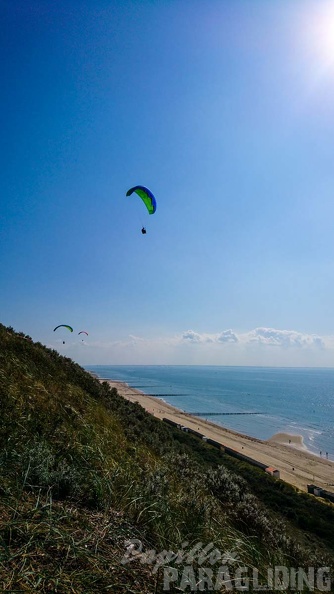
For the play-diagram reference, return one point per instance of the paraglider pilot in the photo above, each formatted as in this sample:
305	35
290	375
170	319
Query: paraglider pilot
143	230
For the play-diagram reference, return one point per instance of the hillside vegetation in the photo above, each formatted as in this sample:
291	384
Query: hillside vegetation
84	472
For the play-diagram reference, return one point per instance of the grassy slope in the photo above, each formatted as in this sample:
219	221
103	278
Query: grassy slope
82	470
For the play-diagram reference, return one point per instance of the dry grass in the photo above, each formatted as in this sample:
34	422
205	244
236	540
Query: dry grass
82	470
53	546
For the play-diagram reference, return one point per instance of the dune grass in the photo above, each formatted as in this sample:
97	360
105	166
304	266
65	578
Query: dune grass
83	471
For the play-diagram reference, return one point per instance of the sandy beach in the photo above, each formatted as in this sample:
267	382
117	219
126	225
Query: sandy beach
297	466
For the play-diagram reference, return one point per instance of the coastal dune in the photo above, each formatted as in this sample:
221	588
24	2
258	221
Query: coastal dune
297	466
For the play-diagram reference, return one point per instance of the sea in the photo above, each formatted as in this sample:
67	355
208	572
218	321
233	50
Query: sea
298	401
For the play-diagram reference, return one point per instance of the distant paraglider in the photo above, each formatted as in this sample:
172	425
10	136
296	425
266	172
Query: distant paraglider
64	326
148	199
83	332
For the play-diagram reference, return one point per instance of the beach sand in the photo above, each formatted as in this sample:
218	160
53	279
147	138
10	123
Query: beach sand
297	466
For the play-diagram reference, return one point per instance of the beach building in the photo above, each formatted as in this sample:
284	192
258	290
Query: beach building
320	492
272	471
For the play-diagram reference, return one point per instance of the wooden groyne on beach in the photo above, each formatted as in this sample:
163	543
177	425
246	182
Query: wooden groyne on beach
197	414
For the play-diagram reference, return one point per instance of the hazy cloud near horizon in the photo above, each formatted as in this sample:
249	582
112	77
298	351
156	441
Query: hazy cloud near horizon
225	336
284	338
255	347
263	336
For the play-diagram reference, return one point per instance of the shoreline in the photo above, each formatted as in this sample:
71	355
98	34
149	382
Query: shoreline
297	465
291	440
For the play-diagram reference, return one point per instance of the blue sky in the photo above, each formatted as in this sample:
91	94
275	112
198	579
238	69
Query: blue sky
225	110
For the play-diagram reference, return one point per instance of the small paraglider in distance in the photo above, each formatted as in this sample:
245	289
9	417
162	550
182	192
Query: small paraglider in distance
64	326
148	199
82	332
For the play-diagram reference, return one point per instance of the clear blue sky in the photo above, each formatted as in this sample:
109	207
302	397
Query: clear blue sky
225	110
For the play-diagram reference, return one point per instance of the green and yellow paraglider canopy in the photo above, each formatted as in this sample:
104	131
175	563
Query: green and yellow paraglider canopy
146	196
64	326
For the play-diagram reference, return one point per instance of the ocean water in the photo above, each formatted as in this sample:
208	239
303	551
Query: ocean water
299	401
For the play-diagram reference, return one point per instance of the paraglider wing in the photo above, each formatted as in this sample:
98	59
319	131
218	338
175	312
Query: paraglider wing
83	332
146	196
64	326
